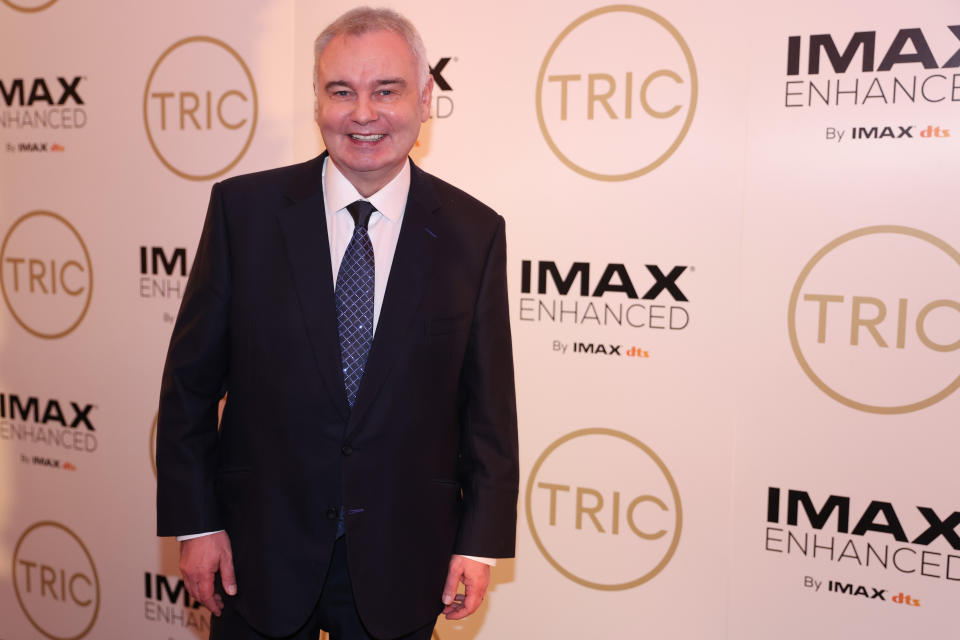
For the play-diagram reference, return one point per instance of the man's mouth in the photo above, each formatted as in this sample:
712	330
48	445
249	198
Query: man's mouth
370	137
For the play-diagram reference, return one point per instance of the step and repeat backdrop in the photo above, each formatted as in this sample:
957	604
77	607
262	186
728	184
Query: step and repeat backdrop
734	279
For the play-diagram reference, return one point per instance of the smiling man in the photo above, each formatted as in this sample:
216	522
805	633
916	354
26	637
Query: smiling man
355	310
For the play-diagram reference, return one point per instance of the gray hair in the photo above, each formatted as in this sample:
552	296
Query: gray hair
363	20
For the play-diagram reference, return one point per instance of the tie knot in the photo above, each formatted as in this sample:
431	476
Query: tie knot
361	210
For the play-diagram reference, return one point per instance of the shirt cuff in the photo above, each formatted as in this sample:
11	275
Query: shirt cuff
196	535
490	561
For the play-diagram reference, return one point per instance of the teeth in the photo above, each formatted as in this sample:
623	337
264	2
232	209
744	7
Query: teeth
367	138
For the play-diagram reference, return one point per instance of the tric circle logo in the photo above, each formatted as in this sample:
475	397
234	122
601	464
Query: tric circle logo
200	108
874	319
46	275
616	93
55	581
603	509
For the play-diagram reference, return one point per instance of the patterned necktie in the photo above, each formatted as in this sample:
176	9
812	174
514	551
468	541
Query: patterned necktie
354	293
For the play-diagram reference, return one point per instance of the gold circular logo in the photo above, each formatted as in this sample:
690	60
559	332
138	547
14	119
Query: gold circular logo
46	275
873	319
200	108
611	523
55	581
28	7
617	111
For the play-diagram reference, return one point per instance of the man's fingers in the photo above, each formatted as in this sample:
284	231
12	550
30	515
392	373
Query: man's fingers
453	580
463	606
200	588
203	586
453	606
227	576
474	597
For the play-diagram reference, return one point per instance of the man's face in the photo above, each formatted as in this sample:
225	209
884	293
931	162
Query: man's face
369	106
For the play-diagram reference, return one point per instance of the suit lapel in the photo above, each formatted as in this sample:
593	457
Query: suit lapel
304	227
416	249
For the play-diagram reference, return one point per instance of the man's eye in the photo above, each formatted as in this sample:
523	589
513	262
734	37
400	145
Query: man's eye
342	93
385	92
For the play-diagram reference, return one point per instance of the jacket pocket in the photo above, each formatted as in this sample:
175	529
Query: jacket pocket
233	472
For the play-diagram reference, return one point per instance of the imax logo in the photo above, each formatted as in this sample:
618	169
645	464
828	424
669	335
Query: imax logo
908	46
866	133
15	92
28	409
614	278
878	516
855	590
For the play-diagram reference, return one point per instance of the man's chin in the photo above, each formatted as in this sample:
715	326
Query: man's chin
366	175
365	167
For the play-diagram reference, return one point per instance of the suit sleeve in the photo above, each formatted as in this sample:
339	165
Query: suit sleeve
193	382
489	450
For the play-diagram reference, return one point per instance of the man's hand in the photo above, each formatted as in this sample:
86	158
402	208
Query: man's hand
475	577
200	559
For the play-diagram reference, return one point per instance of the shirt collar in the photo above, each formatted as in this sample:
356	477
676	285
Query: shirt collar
390	200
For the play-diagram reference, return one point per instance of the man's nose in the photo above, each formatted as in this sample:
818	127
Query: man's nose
364	110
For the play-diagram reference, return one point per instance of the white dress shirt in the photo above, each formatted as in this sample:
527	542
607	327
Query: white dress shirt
383	228
384	231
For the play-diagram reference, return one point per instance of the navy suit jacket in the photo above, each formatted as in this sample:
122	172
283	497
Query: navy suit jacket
425	464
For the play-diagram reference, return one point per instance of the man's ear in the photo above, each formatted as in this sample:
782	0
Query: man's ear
426	99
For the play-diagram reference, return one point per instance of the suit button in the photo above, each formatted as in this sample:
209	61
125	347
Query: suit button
346	450
331	514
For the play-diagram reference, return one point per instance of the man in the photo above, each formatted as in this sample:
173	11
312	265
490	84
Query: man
355	310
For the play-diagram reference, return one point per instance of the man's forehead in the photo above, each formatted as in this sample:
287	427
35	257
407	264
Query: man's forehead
381	45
